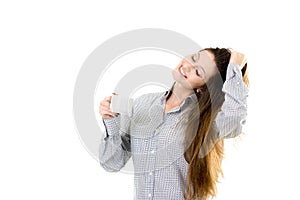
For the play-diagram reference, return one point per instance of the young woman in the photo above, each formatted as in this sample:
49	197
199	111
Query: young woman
176	137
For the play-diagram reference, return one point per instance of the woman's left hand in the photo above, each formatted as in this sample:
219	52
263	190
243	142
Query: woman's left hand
238	58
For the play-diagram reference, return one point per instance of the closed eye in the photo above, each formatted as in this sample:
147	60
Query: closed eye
202	72
193	58
197	73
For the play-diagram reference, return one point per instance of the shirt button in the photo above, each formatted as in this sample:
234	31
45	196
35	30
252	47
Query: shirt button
234	69
238	83
149	195
152	151
243	122
150	174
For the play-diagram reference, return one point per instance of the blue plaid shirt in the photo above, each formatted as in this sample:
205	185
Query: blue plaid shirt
151	139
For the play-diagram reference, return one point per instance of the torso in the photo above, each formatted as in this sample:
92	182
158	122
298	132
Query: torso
167	164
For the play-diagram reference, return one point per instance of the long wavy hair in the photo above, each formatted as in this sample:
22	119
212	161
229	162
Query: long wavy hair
204	150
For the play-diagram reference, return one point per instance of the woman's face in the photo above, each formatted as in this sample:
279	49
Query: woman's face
195	69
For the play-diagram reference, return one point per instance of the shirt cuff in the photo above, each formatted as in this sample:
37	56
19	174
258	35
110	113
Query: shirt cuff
234	69
234	83
112	125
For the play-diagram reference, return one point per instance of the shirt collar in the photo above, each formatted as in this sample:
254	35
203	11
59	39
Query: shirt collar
192	98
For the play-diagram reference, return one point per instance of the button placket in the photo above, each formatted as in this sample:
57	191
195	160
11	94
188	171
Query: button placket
152	157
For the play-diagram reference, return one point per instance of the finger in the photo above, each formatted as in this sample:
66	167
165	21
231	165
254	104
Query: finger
102	103
110	114
107	112
105	109
244	61
105	104
108	98
107	116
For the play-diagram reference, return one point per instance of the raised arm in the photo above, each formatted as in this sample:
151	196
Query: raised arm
230	120
114	149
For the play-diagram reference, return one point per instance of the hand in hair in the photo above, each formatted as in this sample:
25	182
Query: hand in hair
238	58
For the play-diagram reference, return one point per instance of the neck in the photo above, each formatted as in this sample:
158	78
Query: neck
179	94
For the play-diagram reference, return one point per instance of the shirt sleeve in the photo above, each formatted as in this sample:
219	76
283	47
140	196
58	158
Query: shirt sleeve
114	150
230	120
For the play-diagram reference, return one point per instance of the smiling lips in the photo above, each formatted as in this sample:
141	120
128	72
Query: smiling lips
182	72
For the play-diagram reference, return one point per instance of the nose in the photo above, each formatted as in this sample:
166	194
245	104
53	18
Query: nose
188	67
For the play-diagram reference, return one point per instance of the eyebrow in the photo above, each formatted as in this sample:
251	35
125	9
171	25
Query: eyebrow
202	69
198	57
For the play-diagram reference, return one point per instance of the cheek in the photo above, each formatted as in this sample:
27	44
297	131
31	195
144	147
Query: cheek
201	83
197	82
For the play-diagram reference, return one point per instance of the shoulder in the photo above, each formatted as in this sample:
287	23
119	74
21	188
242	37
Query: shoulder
144	102
148	97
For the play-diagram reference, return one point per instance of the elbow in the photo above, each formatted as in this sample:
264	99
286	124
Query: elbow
232	134
108	167
233	128
108	163
111	162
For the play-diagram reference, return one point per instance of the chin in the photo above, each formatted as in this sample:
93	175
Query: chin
182	82
177	77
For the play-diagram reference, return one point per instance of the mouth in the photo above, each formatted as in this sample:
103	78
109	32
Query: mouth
180	70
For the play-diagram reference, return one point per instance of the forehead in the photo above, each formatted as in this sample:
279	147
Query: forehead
205	57
203	60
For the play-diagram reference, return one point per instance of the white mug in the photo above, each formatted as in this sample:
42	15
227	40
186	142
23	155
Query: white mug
121	103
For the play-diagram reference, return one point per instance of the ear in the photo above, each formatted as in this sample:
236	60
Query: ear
199	90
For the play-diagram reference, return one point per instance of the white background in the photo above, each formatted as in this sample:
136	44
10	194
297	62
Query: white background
43	45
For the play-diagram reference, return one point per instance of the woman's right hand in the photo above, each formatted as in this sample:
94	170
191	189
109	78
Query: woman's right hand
104	108
238	58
